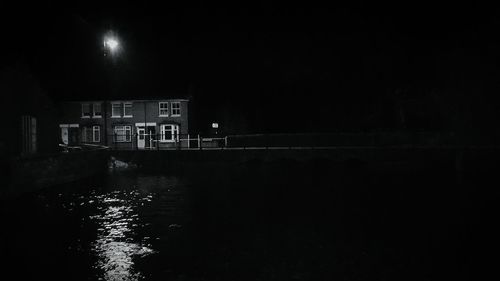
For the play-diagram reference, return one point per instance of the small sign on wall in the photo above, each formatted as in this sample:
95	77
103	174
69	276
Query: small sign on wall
215	125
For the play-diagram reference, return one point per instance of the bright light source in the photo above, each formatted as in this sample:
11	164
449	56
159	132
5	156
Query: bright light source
215	125
111	43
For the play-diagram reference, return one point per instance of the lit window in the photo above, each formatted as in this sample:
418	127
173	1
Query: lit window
169	133
116	110
176	108
85	110
122	133
163	108
127	109
97	110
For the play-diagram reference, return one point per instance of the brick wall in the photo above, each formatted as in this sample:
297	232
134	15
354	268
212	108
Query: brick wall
142	111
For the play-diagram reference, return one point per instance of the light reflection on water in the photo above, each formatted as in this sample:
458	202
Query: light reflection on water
117	220
118	227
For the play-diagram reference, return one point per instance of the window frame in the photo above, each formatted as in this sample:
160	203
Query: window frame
131	107
118	105
172	108
160	109
94	133
94	111
84	134
89	134
174	129
89	110
124	128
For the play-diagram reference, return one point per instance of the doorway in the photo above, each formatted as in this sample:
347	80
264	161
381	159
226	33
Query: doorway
64	135
141	137
146	137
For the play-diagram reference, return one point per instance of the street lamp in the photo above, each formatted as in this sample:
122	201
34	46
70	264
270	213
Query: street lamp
111	44
112	47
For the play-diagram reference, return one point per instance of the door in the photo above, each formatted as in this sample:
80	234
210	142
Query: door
29	134
73	136
151	137
141	137
64	135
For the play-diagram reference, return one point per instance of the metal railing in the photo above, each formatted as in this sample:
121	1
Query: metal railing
322	140
152	141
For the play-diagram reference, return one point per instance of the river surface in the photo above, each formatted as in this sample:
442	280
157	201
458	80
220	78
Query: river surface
285	222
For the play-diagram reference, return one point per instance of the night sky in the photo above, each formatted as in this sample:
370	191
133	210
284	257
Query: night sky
271	66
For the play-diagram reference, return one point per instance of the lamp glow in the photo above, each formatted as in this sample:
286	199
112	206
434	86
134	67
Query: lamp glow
111	43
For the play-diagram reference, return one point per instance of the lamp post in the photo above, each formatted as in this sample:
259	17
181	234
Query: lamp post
111	49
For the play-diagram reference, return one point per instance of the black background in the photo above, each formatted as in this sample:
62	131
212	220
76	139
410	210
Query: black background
272	66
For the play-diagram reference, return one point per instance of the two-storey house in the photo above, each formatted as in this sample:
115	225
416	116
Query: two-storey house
126	124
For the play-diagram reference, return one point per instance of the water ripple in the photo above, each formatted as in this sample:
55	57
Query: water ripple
115	246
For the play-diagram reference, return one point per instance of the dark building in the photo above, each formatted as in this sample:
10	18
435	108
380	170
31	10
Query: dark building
29	115
126	124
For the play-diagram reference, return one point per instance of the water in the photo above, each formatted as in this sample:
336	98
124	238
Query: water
99	233
285	221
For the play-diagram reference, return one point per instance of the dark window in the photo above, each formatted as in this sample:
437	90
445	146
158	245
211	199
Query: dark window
86	109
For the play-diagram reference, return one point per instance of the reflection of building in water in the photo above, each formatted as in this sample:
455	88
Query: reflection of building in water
115	246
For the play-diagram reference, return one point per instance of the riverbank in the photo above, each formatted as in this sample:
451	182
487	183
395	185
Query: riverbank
460	163
32	173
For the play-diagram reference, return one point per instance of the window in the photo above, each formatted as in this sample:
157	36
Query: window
85	110
97	133
97	110
176	108
127	109
163	109
91	134
169	133
116	110
123	133
86	134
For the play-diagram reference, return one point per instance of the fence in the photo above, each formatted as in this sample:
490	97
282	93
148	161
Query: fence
342	139
150	141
